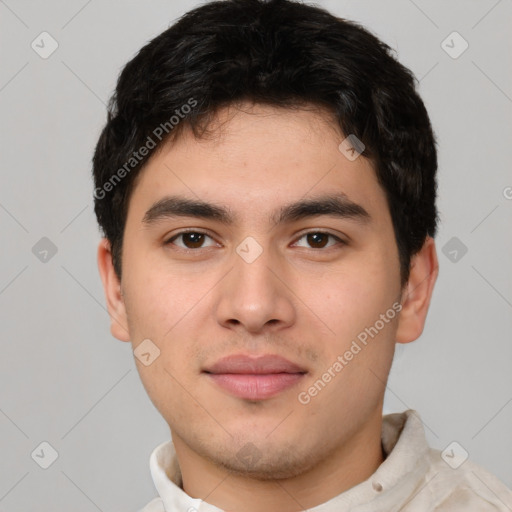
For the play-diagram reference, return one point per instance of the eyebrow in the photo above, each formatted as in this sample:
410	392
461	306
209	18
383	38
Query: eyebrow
338	205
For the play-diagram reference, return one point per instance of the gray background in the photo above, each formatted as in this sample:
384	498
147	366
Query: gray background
66	381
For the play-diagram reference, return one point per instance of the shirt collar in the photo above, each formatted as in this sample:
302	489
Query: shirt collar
403	442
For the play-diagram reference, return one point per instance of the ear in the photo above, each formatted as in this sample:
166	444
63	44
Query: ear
417	293
112	286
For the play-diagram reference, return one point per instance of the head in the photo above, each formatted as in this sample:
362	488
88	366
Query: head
295	150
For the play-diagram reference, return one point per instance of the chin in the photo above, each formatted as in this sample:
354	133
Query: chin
265	465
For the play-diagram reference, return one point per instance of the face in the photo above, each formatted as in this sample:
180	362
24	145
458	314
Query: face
317	287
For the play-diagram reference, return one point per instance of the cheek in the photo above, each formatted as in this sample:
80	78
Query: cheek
162	306
158	297
356	290
353	299
158	309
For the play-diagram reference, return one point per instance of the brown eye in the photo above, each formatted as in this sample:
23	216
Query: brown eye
319	239
190	239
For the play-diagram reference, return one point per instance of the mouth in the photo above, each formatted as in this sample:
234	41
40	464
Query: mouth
255	378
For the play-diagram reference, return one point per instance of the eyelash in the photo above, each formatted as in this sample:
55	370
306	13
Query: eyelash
196	231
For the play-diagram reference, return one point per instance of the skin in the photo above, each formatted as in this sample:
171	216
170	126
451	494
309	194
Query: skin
302	301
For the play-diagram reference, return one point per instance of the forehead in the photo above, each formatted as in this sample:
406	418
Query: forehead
256	157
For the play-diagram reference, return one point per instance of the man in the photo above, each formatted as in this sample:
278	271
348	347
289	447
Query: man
266	184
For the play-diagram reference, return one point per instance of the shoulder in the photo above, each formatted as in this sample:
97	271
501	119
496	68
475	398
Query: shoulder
462	485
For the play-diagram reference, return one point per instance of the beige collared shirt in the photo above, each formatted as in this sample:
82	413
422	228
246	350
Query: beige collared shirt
412	478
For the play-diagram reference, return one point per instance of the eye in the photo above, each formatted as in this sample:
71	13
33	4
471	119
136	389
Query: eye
318	239
191	239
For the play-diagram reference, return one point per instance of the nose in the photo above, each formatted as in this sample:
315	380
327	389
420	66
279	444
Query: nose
255	295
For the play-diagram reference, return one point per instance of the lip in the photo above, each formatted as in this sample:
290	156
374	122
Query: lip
255	378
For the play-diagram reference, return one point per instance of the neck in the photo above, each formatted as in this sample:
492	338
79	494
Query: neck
348	465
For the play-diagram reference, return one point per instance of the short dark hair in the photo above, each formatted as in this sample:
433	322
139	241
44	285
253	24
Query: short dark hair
281	53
